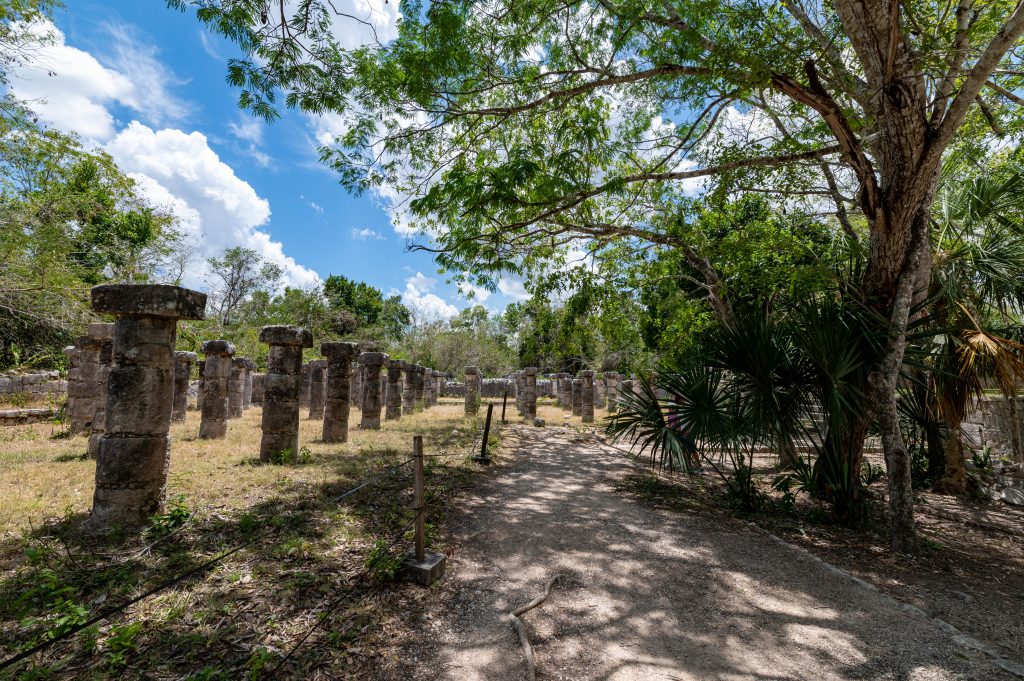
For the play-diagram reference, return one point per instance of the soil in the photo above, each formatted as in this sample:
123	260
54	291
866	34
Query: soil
660	586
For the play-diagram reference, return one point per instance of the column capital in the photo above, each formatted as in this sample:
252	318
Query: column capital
149	300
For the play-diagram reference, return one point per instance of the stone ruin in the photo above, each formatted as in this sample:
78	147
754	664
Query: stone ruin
134	451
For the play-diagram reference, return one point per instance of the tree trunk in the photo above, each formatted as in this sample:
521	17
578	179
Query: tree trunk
954	480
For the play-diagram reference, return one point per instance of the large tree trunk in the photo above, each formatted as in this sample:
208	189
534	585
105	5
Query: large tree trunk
954	478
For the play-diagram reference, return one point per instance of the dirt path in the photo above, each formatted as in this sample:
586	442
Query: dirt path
651	594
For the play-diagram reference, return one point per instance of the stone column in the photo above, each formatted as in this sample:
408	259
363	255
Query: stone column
600	391
134	452
428	387
356	384
338	389
257	389
372	363
307	385
613	391
78	397
215	388
517	378
472	390
421	373
577	397
250	369
105	335
625	387
563	390
435	392
394	392
530	393
587	396
409	389
317	388
199	393
236	387
182	372
281	389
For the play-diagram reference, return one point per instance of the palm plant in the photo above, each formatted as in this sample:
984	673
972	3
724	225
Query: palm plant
977	286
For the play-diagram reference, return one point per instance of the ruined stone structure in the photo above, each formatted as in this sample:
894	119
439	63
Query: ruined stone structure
80	392
317	388
356	385
372	363
201	364
182	372
104	334
612	379
472	390
134	452
625	386
428	387
250	369
408	388
600	391
587	396
236	387
393	398
338	389
530	393
577	397
420	374
307	385
997	423
257	389
215	388
281	389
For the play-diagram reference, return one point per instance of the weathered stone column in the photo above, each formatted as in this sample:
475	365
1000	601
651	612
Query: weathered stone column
409	389
394	390
338	389
317	388
257	389
182	372
104	333
356	384
372	363
613	391
530	393
74	411
600	391
134	452
517	378
435	388
577	397
472	390
281	388
236	387
428	387
199	393
421	372
307	385
587	396
215	388
563	390
625	386
250	369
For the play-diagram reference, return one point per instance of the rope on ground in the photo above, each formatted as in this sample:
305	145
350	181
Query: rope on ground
524	639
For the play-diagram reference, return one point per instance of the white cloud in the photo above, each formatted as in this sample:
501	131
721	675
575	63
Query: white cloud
426	306
209	47
247	130
73	90
375	20
475	294
513	288
365	233
219	208
316	207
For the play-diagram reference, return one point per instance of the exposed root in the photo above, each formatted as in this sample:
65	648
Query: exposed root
531	662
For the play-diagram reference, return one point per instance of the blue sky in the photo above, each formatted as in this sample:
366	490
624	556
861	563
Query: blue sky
147	84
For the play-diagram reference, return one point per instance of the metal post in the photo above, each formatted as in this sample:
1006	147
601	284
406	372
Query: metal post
504	401
420	498
484	458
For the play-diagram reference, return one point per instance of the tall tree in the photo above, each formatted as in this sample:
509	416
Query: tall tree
521	127
235	276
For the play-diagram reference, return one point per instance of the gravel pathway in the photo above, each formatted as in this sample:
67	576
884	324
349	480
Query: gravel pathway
650	594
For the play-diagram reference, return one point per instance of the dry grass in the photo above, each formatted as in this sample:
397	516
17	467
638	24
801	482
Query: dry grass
242	614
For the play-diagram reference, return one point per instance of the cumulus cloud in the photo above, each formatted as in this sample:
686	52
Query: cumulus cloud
220	209
426	306
365	234
513	288
75	91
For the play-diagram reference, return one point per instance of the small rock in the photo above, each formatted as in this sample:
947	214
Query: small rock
540	423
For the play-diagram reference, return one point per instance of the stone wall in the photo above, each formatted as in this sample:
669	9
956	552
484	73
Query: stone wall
991	424
37	385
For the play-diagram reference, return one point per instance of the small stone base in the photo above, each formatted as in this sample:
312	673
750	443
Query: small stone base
427	571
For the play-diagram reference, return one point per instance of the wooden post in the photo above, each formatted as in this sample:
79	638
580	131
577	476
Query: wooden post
484	458
504	401
419	494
